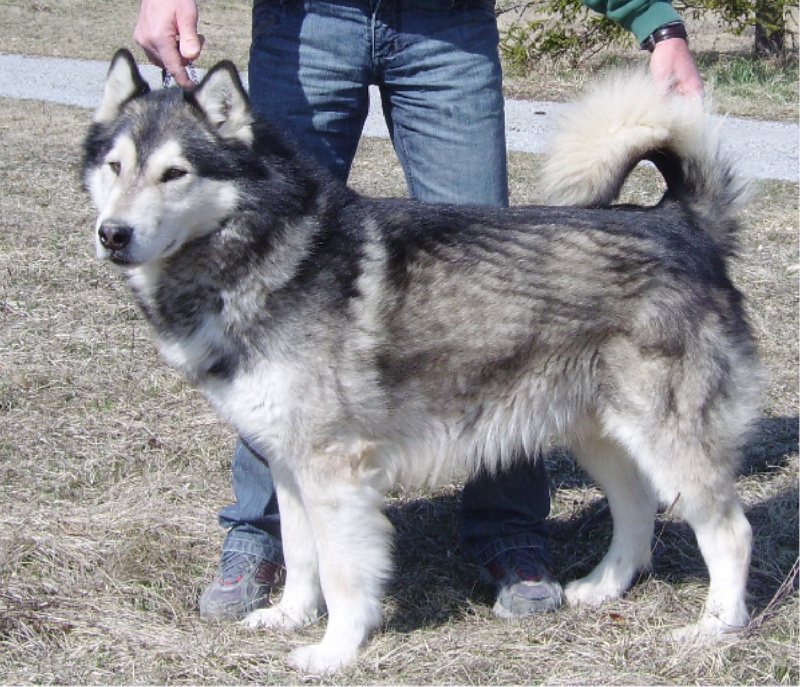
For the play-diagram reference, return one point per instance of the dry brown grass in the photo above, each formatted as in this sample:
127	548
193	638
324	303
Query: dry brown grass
113	468
95	29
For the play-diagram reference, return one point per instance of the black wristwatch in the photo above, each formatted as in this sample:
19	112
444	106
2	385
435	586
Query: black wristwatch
675	29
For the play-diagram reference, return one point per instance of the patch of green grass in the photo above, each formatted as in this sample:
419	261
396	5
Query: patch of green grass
746	75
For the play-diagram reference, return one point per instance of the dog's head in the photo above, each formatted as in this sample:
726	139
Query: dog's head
158	165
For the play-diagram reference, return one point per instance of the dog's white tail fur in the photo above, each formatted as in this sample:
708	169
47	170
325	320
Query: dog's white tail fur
628	118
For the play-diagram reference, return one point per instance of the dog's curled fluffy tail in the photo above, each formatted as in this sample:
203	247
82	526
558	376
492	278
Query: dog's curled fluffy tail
628	118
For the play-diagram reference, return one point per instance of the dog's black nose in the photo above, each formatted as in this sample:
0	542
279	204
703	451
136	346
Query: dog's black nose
114	236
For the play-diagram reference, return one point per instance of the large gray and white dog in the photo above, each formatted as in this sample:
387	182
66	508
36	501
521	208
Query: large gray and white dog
363	343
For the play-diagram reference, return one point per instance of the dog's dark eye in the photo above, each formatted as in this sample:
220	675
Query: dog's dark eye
115	167
173	173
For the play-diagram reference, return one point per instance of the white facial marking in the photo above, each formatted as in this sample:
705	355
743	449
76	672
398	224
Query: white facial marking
161	198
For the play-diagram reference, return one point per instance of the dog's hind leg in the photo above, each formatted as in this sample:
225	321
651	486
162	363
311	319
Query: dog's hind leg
691	466
633	508
301	600
353	539
724	536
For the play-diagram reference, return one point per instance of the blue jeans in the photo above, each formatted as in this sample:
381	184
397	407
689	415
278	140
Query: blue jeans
436	65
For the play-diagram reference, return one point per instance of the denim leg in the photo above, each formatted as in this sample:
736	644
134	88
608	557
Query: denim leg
443	100
442	95
310	71
316	89
252	520
505	511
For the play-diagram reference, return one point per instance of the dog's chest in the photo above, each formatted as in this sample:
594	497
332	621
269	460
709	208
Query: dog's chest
267	403
202	354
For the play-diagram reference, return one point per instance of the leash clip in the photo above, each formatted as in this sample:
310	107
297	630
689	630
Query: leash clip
167	78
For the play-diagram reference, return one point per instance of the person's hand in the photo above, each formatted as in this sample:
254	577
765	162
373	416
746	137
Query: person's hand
167	32
672	65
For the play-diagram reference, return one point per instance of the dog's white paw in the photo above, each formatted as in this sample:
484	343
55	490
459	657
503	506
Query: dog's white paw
588	592
710	628
320	659
276	616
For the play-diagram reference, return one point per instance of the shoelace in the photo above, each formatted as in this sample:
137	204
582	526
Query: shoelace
233	566
523	562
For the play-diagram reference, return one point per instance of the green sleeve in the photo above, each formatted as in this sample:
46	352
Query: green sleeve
641	17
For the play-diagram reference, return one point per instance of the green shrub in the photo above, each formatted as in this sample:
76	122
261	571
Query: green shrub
565	28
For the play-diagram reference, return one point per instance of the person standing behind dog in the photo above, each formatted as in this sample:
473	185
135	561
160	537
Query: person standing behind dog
437	67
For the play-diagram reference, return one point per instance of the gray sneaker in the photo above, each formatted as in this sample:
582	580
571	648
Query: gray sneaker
524	582
242	584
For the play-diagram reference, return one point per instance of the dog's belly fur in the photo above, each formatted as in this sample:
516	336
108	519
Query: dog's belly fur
412	443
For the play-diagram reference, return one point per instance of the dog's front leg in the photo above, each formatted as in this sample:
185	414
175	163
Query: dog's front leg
353	539
301	601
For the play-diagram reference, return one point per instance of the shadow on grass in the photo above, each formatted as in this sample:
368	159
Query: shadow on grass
772	439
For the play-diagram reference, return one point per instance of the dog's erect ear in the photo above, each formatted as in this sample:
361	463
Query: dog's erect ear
222	99
123	82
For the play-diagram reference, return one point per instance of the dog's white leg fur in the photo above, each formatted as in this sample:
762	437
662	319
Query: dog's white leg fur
633	508
302	595
683	471
724	536
353	539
